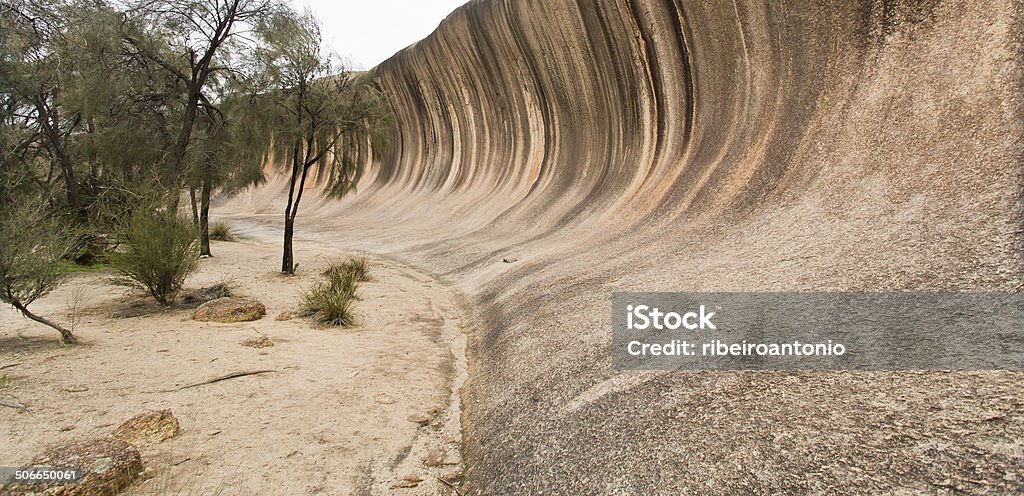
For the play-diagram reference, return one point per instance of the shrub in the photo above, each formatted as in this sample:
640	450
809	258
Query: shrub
161	252
330	301
221	231
32	249
358	266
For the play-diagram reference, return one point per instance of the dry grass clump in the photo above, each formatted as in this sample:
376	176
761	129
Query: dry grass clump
330	300
221	231
358	266
222	289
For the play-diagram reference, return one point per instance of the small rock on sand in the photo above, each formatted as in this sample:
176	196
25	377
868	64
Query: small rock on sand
384	399
284	316
260	342
228	310
148	428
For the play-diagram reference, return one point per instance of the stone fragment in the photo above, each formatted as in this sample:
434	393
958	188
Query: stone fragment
148	428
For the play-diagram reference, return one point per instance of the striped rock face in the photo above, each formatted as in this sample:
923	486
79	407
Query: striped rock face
676	145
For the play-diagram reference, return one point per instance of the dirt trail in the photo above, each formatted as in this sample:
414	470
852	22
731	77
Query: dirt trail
341	415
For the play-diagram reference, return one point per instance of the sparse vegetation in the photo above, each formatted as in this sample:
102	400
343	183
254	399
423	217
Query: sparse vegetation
359	266
162	250
221	231
76	301
222	289
168	479
330	300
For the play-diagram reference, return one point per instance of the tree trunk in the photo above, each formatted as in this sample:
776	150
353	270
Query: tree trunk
204	219
177	152
288	259
195	206
51	131
71	182
65	333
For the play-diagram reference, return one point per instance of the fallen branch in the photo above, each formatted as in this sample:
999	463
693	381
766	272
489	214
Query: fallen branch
450	485
9	365
233	375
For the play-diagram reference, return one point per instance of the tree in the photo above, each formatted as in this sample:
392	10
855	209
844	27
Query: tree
321	113
78	109
31	79
195	41
32	247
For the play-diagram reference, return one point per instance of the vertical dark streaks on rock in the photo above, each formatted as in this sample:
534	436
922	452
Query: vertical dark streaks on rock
694	145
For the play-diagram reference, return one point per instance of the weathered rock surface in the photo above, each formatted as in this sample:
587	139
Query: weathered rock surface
228	310
108	466
148	428
690	146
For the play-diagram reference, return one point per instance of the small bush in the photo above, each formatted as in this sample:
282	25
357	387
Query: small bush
221	231
161	252
330	301
358	266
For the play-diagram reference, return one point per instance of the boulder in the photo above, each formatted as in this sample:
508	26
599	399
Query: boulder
107	465
148	428
227	310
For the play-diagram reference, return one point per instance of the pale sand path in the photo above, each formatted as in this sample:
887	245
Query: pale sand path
334	419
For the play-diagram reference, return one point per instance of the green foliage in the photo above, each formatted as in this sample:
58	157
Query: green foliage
161	252
85	269
221	231
33	247
320	113
32	251
330	300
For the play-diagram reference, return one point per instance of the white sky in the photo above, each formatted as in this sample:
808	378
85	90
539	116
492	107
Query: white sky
368	32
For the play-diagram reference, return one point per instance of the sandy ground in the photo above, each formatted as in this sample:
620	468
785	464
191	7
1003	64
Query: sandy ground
333	419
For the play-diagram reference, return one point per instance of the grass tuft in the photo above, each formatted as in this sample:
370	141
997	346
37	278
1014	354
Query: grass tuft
221	231
358	266
330	300
222	289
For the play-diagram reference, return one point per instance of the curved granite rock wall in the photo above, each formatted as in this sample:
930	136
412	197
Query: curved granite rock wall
693	145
